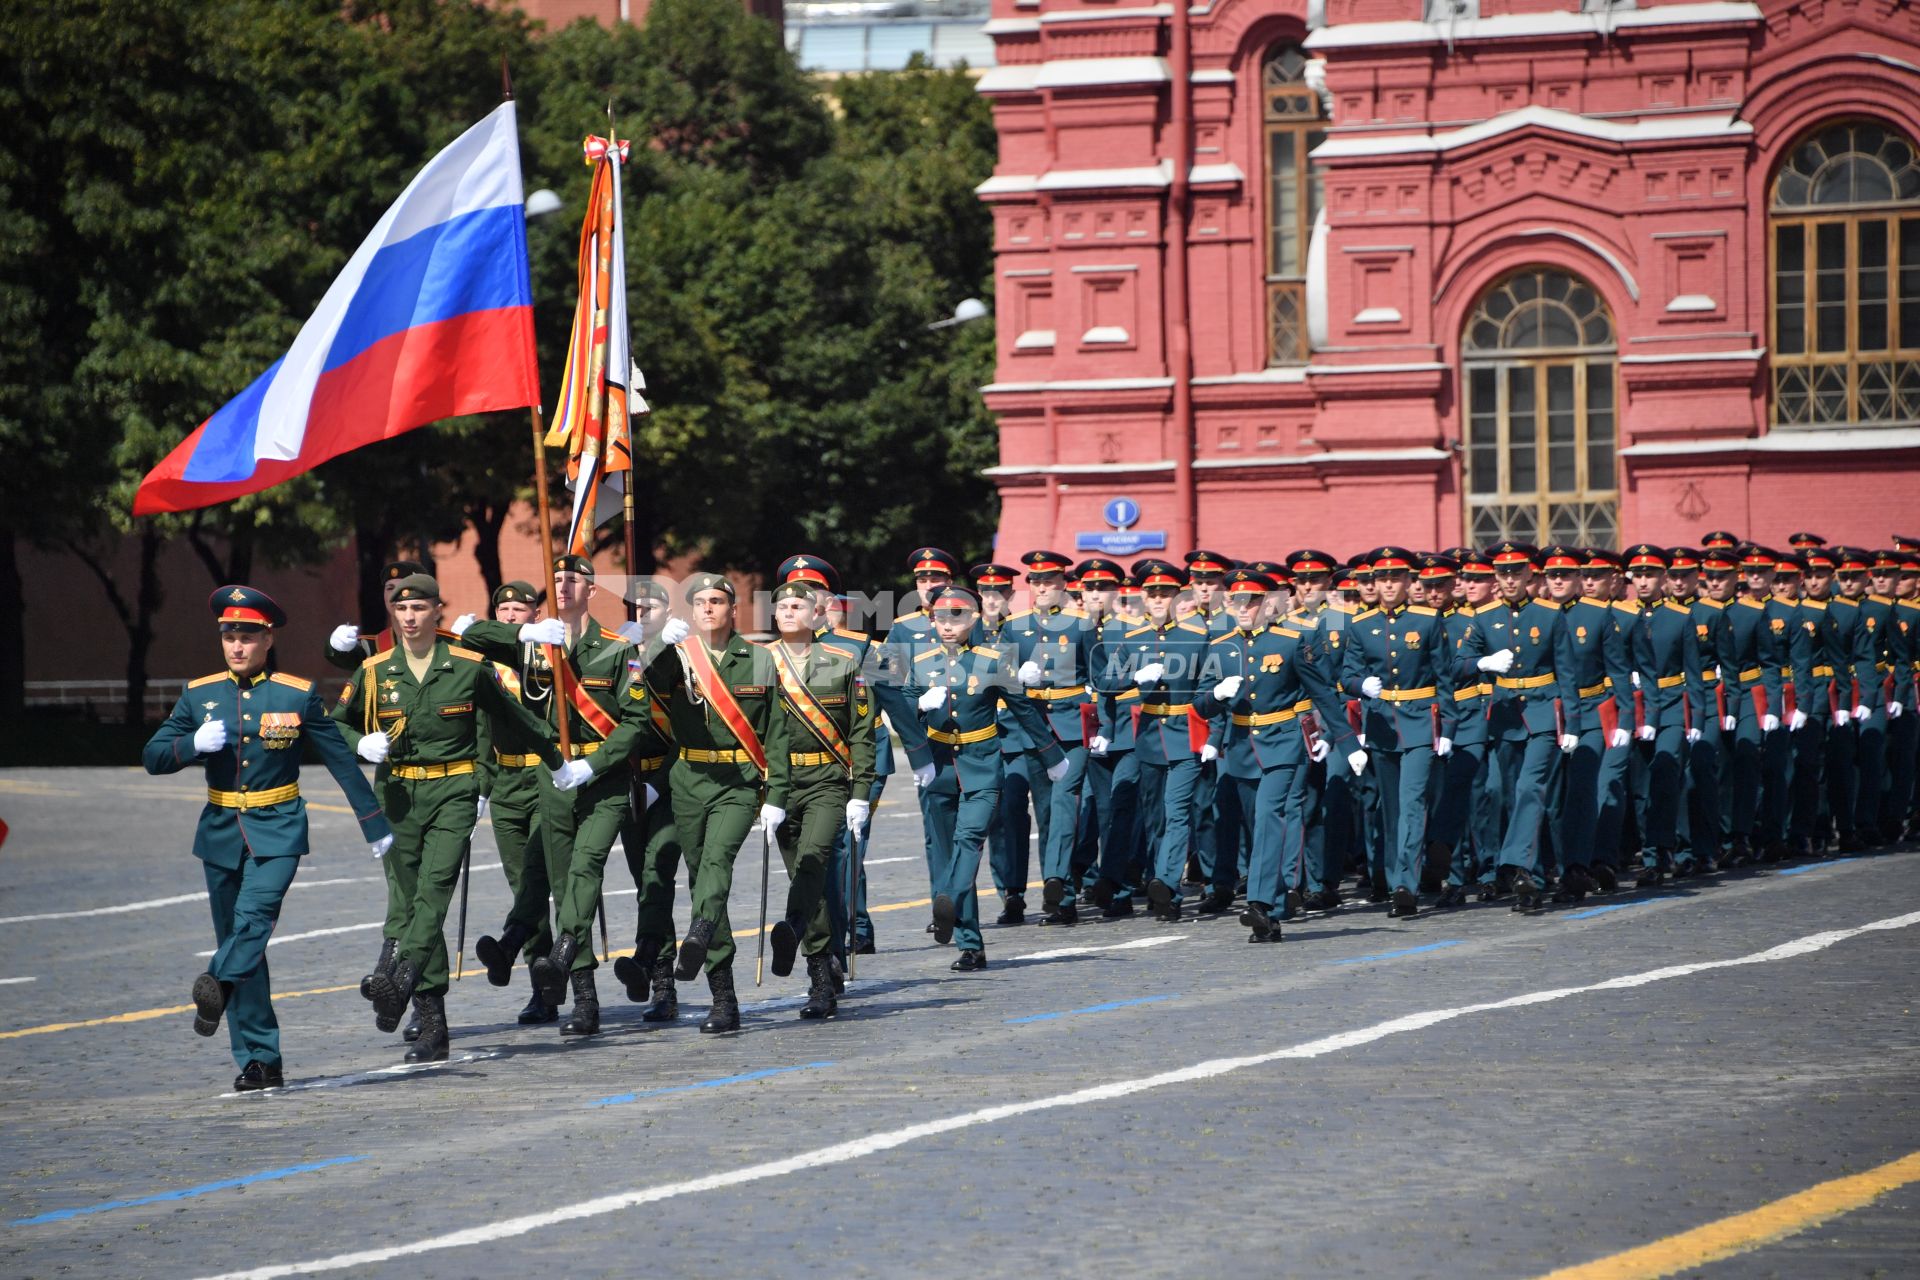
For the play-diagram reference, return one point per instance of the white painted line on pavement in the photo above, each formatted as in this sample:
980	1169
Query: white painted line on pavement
881	862
1060	953
887	1140
8	982
362	1077
150	903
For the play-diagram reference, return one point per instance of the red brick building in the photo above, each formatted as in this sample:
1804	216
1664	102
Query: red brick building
1287	274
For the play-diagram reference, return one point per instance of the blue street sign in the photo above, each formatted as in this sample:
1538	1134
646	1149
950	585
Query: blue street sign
1124	543
1123	513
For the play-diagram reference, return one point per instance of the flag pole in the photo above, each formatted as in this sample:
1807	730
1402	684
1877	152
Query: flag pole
632	540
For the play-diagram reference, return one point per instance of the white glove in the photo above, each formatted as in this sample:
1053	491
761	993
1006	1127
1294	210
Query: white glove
633	633
1360	738
1443	747
648	794
1055	772
1370	687
1209	753
380	847
1500	661
923	776
461	623
675	631
857	811
572	775
1029	674
932	699
1320	750
1841	717
1646	733
480	810
1618	739
1229	689
1357	761
1636	679
1797	721
374	747
1152	673
1693	736
1728	724
545	631
1097	745
344	637
1568	741
1769	722
1893	710
771	816
210	737
1860	713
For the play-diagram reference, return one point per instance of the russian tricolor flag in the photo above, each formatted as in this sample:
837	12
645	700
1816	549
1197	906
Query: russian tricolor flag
432	318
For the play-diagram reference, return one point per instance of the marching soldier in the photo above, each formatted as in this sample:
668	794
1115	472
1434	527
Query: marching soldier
245	728
416	708
911	635
1113	769
1323	795
1675	706
1238	768
1206	576
1008	855
1795	631
1707	810
1457	844
1751	672
846	879
1809	828
1903	661
733	774
1596	768
956	690
830	732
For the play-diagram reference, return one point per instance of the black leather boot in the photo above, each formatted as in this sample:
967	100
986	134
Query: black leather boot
786	944
725	1014
632	970
391	992
383	965
820	998
432	1045
550	971
586	1006
498	953
537	1012
693	950
411	1031
666	1004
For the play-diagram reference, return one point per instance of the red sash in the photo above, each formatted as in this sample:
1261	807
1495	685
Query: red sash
715	691
591	712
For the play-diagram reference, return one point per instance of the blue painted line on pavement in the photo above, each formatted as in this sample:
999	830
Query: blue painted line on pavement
225	1184
1097	1008
1395	955
1600	911
1813	866
716	1083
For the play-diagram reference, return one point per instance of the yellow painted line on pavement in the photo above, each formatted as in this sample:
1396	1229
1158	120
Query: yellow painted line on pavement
1750	1230
145	1015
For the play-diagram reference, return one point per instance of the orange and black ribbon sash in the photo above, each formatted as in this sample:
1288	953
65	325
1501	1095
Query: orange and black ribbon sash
801	699
591	712
721	698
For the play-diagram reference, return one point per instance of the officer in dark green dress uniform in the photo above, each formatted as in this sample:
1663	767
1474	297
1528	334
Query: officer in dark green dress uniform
247	727
416	707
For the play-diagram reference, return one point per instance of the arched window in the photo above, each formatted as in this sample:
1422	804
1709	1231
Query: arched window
1846	279
1539	373
1291	112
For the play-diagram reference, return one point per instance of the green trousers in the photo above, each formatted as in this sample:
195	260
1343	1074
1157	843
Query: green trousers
514	810
433	819
578	829
652	843
816	812
246	903
713	819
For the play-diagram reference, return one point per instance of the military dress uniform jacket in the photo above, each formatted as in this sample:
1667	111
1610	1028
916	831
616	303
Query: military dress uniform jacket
1796	635
1409	650
1752	665
1163	734
703	738
434	722
1672	691
1538	693
1280	668
254	807
960	737
910	636
1601	674
825	699
1715	636
1874	662
1116	715
1013	737
1904	651
1472	688
1061	642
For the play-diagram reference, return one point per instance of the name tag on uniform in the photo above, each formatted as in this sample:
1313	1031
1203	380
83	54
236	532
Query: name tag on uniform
833	700
751	690
457	709
596	682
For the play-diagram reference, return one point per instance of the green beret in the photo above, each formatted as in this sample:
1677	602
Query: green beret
416	586
798	589
708	582
515	592
403	569
648	589
571	563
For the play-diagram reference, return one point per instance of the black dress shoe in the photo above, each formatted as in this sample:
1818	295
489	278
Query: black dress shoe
1651	878
1605	877
1217	902
209	1002
1451	895
969	962
1014	910
1053	892
944	916
1405	905
865	948
693	950
1117	910
1324	900
1159	897
1574	885
1064	914
1526	893
1255	917
1103	892
258	1075
1295	905
786	945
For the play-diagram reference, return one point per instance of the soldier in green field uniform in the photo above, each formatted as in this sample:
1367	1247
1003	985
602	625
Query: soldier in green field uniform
723	698
830	729
607	713
416	708
244	727
511	798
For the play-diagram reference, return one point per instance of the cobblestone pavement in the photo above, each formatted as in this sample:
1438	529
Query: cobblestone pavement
1031	1120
